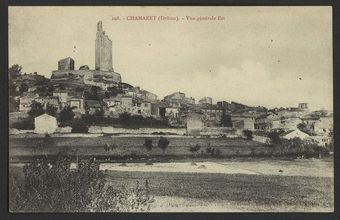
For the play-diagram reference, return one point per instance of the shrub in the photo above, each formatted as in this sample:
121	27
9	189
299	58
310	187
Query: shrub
148	144
36	109
218	153
163	143
79	126
25	124
66	114
50	186
248	134
194	149
274	136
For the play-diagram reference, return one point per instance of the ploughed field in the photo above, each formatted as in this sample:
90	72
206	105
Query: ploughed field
130	146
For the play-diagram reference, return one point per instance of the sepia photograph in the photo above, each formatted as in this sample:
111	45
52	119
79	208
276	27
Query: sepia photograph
170	109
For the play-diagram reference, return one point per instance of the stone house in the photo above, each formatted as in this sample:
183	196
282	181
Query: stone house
45	124
93	106
194	123
77	104
286	123
26	101
295	134
323	125
243	122
63	98
126	103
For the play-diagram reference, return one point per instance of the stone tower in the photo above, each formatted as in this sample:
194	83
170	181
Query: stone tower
103	56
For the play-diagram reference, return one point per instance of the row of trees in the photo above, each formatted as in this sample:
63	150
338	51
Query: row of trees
163	143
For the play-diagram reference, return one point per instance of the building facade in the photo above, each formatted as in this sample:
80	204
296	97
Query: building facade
45	124
66	64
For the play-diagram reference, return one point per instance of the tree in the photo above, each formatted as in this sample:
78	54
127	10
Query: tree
112	92
148	144
125	118
163	143
194	149
13	105
14	71
36	109
226	120
91	93
274	136
51	110
23	88
248	134
79	126
52	186
66	114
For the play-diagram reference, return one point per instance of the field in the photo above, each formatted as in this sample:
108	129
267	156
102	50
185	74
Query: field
304	186
131	146
206	192
185	182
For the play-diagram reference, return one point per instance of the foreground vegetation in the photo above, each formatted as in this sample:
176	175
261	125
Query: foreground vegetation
54	186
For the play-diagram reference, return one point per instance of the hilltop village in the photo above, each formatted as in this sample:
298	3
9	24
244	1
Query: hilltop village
99	97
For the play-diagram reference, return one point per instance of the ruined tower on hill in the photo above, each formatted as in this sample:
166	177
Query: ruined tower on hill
103	56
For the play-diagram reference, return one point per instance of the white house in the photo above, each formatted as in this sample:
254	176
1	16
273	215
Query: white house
45	124
295	134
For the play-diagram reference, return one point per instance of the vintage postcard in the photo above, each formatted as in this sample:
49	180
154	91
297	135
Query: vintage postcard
170	109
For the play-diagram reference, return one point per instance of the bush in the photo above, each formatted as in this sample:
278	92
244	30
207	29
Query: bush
25	124
50	186
79	126
163	143
148	144
194	149
66	114
248	134
274	136
36	109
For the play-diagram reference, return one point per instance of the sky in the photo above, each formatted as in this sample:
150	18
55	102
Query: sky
268	56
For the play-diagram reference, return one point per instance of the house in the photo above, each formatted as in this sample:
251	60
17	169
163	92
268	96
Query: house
77	104
50	100
212	116
45	124
262	123
26	101
323	125
172	112
194	123
93	106
286	123
295	134
148	96
178	98
126	103
243	121
322	140
63	98
205	101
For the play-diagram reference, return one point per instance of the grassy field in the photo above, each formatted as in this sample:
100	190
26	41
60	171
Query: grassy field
269	192
124	146
301	187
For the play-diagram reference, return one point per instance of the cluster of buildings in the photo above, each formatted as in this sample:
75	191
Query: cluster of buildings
177	108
